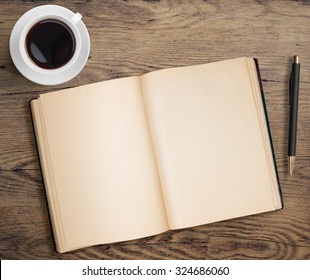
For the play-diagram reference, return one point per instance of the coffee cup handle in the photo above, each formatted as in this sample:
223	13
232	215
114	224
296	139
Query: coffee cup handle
76	18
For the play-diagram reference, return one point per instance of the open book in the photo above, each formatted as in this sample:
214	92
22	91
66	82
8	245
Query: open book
134	157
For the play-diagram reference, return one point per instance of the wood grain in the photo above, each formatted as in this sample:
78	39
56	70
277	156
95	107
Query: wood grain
135	37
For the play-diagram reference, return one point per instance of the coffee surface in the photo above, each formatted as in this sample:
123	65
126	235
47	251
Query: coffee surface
50	44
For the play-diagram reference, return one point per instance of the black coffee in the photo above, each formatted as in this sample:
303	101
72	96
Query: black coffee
50	44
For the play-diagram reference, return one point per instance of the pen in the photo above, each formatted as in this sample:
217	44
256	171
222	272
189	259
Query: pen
293	98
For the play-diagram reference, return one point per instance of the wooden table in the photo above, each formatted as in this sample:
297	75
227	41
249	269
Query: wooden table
134	37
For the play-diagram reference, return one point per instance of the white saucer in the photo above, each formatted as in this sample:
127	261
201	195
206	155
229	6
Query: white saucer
54	76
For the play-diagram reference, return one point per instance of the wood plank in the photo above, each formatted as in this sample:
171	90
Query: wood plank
212	248
17	140
26	223
137	37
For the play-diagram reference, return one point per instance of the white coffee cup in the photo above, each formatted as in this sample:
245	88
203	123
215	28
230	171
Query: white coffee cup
21	58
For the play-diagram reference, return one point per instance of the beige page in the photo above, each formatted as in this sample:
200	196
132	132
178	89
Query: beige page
102	182
211	152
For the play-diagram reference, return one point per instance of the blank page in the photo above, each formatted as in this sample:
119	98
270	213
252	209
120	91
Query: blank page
208	143
103	179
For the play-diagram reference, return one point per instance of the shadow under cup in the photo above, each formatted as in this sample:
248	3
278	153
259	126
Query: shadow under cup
50	44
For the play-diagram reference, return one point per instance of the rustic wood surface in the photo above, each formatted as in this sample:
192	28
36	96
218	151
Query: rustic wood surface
135	37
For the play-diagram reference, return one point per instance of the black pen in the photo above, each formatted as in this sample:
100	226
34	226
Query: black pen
293	91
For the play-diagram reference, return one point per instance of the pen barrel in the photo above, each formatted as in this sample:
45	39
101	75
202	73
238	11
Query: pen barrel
294	92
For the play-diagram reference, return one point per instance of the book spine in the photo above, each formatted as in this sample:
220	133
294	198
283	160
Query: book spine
269	130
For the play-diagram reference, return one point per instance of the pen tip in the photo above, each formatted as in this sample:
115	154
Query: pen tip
291	163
